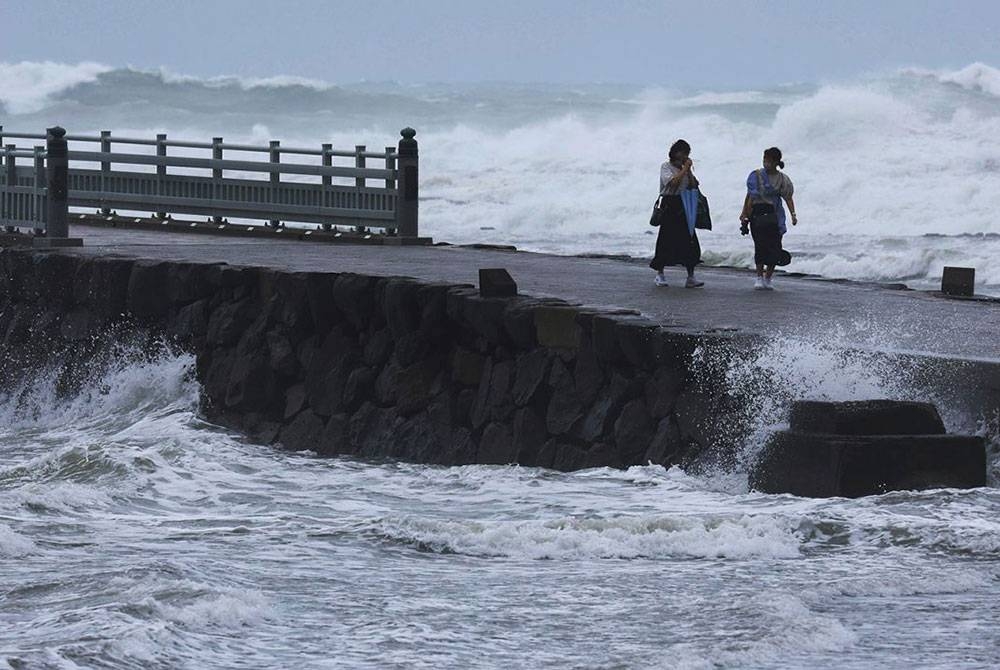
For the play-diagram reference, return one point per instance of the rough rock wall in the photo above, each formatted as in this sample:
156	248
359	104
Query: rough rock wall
392	367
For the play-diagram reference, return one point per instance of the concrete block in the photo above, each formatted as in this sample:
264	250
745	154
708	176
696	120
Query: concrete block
496	283
958	281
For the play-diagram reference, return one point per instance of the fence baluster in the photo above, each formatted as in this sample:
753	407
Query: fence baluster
161	170
38	203
217	176
11	160
327	180
105	167
359	162
275	179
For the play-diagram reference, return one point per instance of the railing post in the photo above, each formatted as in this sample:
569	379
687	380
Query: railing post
11	163
217	175
161	170
390	164
327	179
390	181
275	178
105	167
38	202
406	199
57	157
359	162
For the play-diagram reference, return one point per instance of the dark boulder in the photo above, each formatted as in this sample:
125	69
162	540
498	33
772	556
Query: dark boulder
529	435
496	446
666	447
305	432
634	432
566	407
252	386
229	320
353	296
360	388
148	300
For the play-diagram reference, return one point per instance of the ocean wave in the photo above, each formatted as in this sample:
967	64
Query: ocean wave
28	86
15	545
974	77
783	628
573	538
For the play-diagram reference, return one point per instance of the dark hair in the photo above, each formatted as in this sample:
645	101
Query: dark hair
774	153
677	147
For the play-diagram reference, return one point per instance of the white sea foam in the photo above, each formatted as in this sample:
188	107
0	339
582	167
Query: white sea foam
246	83
27	86
15	545
230	609
975	77
589	538
126	391
786	628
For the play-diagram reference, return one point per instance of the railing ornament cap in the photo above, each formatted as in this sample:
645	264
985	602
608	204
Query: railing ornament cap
57	132
408	133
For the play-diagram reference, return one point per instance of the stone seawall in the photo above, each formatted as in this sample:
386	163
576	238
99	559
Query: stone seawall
389	366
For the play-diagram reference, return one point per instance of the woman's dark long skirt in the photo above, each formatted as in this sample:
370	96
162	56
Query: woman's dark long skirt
766	235
674	244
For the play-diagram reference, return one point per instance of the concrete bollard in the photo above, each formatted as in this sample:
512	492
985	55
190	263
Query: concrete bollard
958	281
496	283
407	200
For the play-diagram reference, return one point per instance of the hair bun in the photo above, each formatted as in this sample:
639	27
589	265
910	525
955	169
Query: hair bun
781	164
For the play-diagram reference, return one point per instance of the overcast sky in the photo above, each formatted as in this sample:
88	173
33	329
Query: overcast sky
702	43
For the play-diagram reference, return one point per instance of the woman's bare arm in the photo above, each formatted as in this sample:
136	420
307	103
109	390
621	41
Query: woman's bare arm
791	209
745	214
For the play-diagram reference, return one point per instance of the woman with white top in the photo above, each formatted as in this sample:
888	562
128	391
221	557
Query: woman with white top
675	243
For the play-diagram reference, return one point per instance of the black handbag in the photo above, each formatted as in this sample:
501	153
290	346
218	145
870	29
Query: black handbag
704	218
654	218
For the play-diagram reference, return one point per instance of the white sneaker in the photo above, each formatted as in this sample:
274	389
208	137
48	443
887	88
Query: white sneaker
767	284
693	283
660	280
758	284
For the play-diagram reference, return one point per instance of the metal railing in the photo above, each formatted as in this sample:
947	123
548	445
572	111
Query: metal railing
372	197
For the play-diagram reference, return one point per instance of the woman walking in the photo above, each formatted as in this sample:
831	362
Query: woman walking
764	216
675	243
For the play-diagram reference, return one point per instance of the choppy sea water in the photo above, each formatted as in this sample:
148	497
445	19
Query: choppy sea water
135	535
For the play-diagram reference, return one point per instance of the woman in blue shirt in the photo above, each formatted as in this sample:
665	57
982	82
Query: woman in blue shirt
764	216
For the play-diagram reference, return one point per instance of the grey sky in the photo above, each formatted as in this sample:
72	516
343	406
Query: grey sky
701	43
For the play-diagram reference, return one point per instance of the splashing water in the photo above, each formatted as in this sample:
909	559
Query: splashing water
133	534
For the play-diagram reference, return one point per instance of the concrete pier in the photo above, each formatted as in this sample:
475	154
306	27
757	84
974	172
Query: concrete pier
390	351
